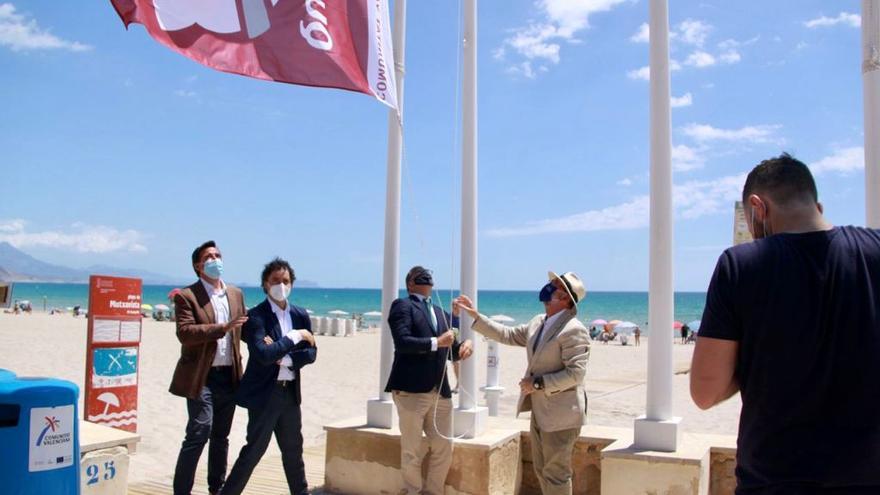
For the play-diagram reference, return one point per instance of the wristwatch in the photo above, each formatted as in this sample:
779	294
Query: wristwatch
538	383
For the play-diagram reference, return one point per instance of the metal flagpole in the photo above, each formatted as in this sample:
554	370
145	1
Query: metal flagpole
871	93
469	420
380	410
658	430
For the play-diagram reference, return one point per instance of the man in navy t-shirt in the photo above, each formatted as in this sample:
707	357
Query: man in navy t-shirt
792	322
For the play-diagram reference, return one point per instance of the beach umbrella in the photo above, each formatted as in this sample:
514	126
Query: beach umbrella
677	325
309	311
337	312
694	326
611	324
502	319
625	327
373	314
598	322
173	293
146	307
161	307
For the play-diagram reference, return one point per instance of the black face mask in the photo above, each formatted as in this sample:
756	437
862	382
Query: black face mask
546	293
423	278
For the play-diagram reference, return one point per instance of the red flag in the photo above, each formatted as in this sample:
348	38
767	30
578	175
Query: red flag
342	44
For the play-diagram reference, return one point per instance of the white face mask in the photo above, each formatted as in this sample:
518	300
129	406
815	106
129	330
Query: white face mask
279	292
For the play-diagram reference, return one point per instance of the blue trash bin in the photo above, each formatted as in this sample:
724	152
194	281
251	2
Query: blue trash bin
6	375
39	437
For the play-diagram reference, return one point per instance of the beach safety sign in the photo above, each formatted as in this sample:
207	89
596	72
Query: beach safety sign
113	351
50	444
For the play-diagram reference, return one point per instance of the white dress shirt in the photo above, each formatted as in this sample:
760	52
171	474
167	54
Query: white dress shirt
286	323
223	356
548	323
421	299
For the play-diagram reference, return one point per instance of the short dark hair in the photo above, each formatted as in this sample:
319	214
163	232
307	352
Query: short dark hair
418	271
273	266
197	253
784	178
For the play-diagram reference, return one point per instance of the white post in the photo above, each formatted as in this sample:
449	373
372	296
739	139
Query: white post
658	430
469	420
492	389
871	93
380	411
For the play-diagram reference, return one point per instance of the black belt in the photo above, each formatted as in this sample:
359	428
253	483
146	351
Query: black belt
283	383
221	368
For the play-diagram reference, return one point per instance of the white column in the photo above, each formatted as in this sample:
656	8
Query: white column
380	410
469	420
492	389
871	93
658	430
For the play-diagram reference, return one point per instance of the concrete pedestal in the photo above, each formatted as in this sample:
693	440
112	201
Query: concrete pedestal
469	423
381	413
627	469
365	460
663	436
104	458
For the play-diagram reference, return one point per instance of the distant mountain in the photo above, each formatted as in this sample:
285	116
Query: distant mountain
18	266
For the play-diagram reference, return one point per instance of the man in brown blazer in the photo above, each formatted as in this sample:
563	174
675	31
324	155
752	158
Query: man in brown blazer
557	347
209	319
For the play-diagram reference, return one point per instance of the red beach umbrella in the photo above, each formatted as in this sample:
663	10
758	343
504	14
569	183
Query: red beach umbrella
677	325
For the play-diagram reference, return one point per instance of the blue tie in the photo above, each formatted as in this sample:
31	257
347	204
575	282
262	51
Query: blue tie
537	338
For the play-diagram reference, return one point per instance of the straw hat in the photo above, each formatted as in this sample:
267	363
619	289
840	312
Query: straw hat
572	284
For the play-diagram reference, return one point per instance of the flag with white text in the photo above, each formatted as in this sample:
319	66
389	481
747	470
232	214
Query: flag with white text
343	44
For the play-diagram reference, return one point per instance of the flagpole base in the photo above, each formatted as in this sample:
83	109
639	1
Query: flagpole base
381	413
470	423
657	435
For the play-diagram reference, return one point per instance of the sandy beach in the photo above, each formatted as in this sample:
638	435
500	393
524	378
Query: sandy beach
336	387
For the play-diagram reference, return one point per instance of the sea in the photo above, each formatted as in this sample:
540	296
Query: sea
519	305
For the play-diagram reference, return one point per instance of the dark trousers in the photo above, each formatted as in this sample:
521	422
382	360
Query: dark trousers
281	415
210	418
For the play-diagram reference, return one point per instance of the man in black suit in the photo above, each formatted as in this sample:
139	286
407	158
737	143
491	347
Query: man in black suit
280	342
423	341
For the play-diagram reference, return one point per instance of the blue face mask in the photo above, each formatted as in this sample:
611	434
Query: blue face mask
546	292
213	268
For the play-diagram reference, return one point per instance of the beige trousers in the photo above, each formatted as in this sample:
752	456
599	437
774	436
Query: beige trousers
416	414
551	458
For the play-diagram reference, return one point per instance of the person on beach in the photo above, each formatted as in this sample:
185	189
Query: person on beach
424	340
209	319
557	349
280	342
684	333
791	322
637	333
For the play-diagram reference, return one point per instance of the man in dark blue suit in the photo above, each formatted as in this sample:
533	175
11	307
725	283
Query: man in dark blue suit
280	342
423	342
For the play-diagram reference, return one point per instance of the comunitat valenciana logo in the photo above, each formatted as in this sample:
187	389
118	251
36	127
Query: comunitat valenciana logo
49	436
222	16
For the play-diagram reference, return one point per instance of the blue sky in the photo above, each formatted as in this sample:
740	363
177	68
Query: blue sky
119	151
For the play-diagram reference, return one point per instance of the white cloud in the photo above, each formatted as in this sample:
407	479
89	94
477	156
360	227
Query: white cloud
642	35
685	158
561	21
700	59
693	32
851	20
730	57
186	93
22	34
81	237
684	100
751	134
626	182
644	73
844	161
692	199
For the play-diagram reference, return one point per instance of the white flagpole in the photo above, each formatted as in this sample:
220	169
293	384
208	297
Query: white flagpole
380	411
470	420
871	98
658	430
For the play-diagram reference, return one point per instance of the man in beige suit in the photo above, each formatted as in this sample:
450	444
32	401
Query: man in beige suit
557	347
209	319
